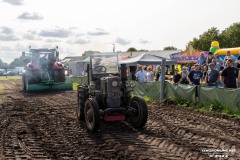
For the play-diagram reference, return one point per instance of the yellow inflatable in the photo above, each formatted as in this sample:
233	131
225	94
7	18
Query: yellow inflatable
222	52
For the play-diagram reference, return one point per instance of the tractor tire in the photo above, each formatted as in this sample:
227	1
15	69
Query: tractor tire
92	115
59	75
32	77
82	97
139	118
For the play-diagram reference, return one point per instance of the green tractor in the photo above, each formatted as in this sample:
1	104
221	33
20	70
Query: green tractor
43	71
107	97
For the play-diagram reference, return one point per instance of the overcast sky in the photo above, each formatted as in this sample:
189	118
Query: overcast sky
80	25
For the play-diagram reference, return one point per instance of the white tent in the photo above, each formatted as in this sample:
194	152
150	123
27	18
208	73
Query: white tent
146	59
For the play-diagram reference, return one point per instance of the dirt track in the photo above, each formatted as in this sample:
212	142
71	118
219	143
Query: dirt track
44	126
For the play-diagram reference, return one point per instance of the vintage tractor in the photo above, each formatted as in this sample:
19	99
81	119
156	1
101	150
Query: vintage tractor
43	71
107	97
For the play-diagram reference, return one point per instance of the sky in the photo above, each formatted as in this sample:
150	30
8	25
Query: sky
76	26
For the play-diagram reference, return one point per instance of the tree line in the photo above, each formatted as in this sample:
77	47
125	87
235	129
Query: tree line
228	38
17	62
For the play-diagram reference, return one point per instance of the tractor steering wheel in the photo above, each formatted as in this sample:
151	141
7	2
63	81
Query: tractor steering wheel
100	69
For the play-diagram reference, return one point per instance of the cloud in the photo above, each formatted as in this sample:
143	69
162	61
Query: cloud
14	2
6	30
79	40
143	41
122	41
30	16
30	37
52	40
8	38
98	32
58	32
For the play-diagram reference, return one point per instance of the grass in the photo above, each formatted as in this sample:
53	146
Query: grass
215	108
10	78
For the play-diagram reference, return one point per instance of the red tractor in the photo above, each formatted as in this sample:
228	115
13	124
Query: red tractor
43	71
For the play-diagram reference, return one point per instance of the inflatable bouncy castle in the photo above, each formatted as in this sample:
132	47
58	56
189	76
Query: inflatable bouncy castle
222	52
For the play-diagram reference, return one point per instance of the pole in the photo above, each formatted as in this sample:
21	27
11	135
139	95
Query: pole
162	93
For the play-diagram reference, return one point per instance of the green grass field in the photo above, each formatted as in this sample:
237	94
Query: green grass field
10	77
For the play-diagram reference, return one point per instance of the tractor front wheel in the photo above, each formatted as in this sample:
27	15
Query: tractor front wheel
92	115
82	97
140	112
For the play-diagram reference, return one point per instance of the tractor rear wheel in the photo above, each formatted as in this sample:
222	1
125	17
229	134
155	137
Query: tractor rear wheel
92	115
139	118
82	97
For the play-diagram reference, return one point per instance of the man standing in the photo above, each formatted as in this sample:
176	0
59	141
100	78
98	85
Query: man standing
229	75
202	60
212	76
141	75
195	75
176	77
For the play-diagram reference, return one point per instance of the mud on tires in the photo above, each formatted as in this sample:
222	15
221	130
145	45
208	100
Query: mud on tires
82	97
139	118
92	115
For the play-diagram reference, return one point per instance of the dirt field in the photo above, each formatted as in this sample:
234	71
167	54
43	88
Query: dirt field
44	126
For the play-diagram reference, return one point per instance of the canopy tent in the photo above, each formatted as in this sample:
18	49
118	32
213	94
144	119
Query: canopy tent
146	59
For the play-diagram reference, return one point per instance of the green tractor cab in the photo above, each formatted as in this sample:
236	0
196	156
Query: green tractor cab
43	71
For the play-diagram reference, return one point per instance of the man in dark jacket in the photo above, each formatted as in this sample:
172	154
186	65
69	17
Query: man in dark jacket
229	75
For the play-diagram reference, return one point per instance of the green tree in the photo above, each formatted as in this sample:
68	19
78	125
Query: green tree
205	39
17	62
3	65
132	49
230	37
169	48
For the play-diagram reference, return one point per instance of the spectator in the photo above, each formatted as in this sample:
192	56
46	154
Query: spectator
184	76
195	75
192	68
216	63
238	60
141	75
159	77
220	72
210	57
212	76
202	60
149	75
229	75
84	73
187	67
204	72
158	68
227	57
176	77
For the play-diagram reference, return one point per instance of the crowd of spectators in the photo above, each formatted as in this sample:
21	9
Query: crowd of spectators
209	71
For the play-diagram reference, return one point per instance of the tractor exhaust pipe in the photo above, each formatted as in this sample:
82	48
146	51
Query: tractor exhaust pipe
123	73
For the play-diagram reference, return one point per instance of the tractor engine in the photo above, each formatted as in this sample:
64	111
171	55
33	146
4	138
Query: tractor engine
110	90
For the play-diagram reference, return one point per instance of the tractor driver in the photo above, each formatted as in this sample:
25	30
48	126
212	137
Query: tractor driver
97	67
43	60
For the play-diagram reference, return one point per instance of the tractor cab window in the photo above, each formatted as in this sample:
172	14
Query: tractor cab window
104	64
